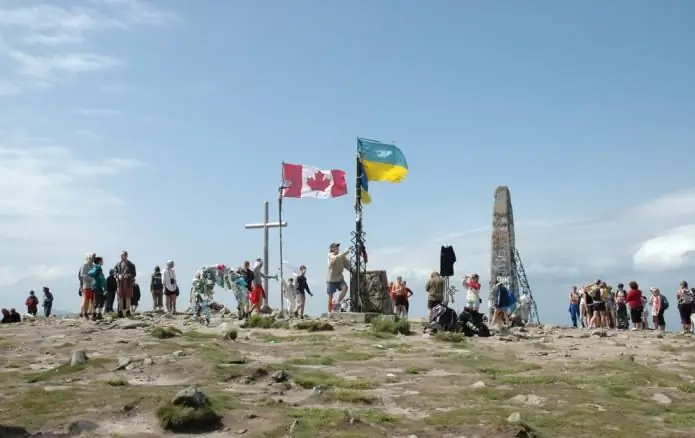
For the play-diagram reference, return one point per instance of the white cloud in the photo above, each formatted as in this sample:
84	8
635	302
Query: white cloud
52	202
97	112
656	236
33	29
48	67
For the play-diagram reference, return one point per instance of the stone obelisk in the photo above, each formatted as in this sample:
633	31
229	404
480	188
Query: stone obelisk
502	254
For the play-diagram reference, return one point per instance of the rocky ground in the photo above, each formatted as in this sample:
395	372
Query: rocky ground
143	377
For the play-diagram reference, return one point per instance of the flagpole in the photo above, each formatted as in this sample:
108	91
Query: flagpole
357	240
282	278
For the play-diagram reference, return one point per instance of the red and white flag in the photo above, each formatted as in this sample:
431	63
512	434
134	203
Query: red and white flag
309	182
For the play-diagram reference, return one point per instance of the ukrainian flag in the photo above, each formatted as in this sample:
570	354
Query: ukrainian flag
366	199
381	161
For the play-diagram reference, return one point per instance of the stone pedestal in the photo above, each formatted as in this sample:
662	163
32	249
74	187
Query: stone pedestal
374	294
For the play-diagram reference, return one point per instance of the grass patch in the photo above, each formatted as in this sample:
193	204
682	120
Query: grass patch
311	379
266	322
214	353
66	370
199	335
311	360
180	418
314	326
317	422
451	337
350	396
165	332
415	370
386	325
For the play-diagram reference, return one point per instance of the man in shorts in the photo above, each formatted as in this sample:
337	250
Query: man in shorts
335	281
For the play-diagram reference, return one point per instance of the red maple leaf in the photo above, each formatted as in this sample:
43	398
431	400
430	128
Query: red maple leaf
318	182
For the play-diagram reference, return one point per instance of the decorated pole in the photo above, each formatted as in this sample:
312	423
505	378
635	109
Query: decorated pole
282	277
359	264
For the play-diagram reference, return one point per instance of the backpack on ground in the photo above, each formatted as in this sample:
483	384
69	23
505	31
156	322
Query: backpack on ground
443	319
471	323
664	302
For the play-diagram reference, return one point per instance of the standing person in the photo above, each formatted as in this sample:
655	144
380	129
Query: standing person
684	298
247	273
500	301
135	300
171	287
408	293
87	282
258	294
98	287
435	292
125	275
634	302
335	281
525	306
399	294
622	317
658	307
574	306
302	290
472	286
157	289
111	289
32	304
47	302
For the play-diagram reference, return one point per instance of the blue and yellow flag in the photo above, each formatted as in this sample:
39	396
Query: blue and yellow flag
381	161
366	199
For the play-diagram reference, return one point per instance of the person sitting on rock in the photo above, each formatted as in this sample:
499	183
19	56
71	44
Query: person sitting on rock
5	317
14	316
32	304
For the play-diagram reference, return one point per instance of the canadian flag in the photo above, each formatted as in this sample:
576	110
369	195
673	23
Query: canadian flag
309	182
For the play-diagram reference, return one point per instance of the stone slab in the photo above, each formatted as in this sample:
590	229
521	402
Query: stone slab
356	317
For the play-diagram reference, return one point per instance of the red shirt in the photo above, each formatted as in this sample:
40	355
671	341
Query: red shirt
634	298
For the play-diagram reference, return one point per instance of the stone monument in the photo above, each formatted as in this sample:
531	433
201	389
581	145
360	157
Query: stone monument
374	294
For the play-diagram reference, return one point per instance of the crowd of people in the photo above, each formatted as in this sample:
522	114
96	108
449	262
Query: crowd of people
597	305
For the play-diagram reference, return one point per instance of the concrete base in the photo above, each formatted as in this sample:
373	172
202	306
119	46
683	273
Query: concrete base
359	318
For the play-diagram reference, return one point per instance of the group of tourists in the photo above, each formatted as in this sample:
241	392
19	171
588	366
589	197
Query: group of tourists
597	305
100	292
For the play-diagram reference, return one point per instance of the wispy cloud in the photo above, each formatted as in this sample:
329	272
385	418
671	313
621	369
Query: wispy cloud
97	112
86	133
31	29
47	67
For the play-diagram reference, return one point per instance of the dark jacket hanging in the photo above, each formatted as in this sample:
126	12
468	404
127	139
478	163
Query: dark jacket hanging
447	260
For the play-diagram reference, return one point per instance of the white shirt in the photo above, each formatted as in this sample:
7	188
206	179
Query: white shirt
167	277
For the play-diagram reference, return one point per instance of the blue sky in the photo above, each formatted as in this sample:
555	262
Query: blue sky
159	127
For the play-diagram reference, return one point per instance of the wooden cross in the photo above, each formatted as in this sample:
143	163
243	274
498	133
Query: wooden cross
266	225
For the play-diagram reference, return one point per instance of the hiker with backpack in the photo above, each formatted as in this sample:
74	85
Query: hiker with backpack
157	289
685	306
659	305
32	304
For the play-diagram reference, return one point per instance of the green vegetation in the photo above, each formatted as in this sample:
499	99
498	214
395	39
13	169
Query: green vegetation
314	326
388	326
266	322
311	379
65	370
165	332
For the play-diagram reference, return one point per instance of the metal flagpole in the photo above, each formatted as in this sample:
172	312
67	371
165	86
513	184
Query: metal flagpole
282	277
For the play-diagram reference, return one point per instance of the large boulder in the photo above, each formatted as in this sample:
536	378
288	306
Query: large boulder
374	293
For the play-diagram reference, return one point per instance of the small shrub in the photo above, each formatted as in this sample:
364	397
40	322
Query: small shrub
314	326
259	321
165	332
384	325
229	335
415	370
184	419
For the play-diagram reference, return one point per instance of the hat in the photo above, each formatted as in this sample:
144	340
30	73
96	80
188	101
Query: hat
334	245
